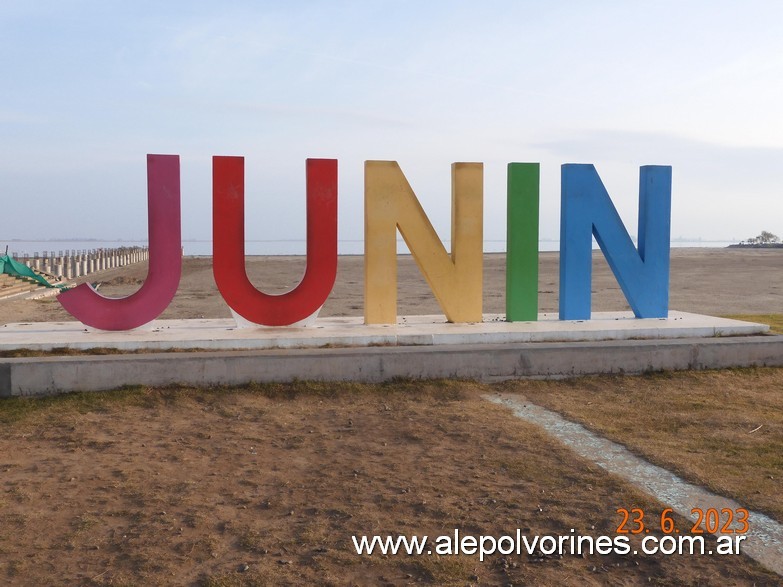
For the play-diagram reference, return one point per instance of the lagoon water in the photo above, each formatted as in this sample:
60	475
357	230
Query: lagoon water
276	247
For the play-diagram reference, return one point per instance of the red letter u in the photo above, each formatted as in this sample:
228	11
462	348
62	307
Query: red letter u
228	237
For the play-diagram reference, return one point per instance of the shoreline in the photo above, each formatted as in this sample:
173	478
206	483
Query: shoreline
713	281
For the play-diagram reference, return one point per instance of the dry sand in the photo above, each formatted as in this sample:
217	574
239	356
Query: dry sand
265	485
706	281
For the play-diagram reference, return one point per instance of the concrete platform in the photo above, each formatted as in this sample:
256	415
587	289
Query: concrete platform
487	362
332	332
343	349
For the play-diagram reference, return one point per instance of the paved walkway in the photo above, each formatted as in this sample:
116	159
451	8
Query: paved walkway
764	541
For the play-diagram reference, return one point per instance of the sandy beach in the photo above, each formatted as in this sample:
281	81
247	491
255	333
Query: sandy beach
704	280
266	484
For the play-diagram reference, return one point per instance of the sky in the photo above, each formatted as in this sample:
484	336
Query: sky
90	87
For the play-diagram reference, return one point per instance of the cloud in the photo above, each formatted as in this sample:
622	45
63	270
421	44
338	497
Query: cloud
719	190
722	164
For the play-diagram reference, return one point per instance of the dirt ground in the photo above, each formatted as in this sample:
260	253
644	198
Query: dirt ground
266	486
706	281
721	429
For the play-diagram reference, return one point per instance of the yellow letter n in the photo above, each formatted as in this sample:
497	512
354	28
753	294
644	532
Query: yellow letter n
456	279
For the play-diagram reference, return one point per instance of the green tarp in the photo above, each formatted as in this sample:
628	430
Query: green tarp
17	269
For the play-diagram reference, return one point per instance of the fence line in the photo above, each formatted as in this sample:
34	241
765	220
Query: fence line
70	264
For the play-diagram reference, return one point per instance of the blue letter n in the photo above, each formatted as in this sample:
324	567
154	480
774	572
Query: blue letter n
587	211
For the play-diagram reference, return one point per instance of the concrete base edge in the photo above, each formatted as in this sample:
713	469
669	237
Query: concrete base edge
486	362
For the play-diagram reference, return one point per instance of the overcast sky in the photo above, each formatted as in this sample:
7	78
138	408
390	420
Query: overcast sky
90	87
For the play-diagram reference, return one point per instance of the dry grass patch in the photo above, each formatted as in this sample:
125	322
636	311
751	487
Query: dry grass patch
720	429
267	484
775	321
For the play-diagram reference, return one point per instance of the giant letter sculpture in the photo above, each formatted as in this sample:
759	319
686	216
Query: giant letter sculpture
228	235
456	279
522	242
586	211
165	260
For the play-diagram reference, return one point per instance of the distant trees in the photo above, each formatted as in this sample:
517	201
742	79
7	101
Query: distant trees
765	238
